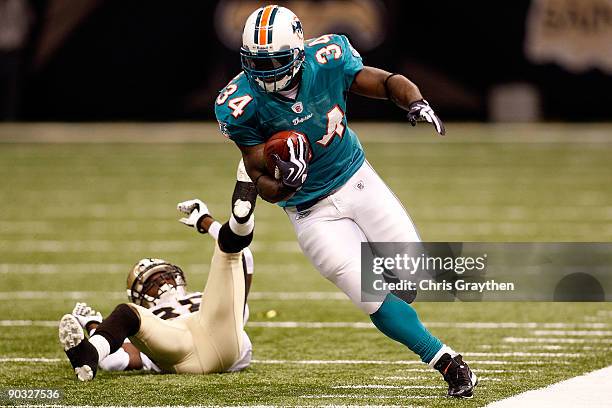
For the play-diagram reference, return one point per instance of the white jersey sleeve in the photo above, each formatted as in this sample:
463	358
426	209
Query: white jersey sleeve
148	364
245	356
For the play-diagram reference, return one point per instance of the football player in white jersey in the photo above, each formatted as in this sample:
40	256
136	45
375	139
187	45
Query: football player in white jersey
161	287
173	331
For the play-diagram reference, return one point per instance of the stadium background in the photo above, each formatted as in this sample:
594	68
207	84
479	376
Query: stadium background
116	60
109	106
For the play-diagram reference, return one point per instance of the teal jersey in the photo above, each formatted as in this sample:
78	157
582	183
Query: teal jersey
249	116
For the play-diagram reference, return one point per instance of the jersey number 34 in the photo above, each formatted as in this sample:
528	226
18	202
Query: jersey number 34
236	104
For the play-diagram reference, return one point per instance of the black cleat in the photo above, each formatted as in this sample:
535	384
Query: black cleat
461	380
82	354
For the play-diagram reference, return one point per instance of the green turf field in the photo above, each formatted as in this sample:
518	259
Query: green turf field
75	217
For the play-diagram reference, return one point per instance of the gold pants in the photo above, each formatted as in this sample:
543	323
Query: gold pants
207	341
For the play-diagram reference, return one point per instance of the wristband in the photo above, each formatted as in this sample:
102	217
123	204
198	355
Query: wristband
198	225
387	86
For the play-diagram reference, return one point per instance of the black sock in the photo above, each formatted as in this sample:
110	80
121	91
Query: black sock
83	354
122	323
230	242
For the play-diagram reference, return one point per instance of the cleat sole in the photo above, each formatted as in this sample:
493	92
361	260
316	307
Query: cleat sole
70	332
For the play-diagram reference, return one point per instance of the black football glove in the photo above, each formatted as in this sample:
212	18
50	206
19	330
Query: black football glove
293	173
420	111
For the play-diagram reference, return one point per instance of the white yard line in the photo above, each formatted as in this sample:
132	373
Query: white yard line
47	295
287	324
136	246
572	333
591	390
361	396
313	325
89	268
338	362
297	296
521	325
401	362
390	387
80	268
455	325
79	295
43	269
553	340
524	354
136	406
28	360
434	375
333	362
604	313
203	406
21	323
476	370
547	347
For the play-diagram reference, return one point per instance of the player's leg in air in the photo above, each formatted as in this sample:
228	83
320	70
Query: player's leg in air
209	340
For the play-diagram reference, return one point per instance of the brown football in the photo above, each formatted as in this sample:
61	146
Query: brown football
278	144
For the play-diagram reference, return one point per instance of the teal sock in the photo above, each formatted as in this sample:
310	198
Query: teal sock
399	321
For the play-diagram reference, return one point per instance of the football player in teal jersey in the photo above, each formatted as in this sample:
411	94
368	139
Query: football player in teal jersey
335	200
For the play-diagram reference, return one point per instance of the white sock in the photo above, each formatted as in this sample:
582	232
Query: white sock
445	349
242	229
248	260
213	230
118	361
102	345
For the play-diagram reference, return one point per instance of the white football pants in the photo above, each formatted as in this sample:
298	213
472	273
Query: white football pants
330	232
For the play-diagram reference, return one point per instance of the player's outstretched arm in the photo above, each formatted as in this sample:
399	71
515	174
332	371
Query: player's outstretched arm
380	84
204	223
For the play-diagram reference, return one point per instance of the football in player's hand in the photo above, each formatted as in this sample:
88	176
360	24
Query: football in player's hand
277	144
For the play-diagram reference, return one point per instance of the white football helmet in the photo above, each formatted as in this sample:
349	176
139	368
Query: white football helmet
272	47
152	281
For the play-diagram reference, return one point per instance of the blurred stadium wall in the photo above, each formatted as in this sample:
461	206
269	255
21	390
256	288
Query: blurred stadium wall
519	60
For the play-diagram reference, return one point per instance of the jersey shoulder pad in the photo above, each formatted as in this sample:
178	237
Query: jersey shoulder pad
235	110
331	51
